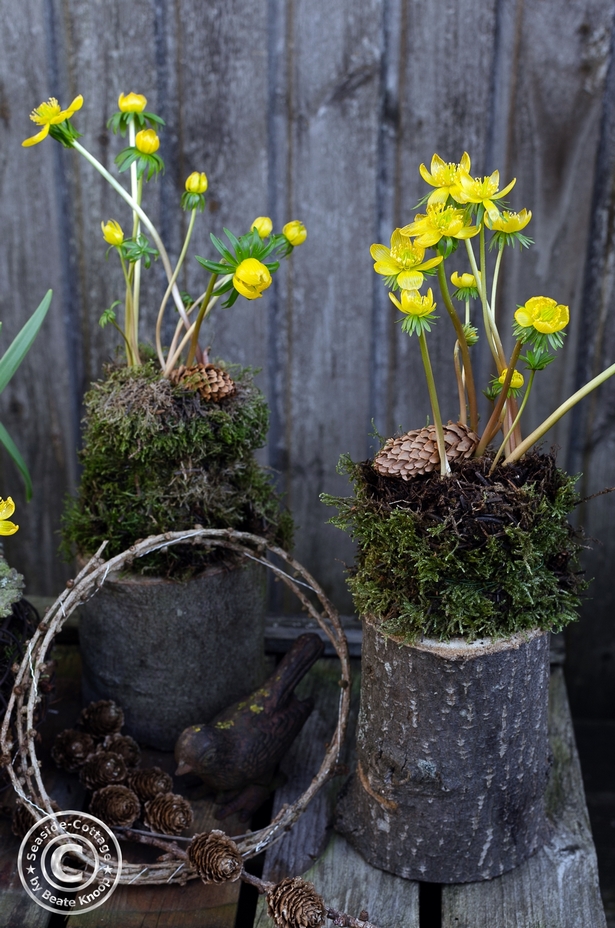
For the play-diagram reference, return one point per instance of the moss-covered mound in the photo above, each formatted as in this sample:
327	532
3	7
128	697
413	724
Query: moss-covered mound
469	555
158	458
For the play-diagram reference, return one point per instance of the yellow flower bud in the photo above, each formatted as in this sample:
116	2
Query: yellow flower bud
544	314
463	280
196	183
516	380
251	278
263	226
112	232
295	232
131	102
147	141
7	508
413	304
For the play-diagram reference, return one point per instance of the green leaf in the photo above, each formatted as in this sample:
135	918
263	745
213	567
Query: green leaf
11	447
19	347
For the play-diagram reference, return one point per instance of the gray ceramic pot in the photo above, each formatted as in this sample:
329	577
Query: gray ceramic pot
173	654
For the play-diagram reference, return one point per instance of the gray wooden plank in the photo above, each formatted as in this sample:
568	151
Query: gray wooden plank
36	407
347	883
558	886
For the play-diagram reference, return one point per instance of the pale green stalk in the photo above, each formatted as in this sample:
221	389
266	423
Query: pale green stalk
463	345
463	414
488	311
136	187
494	284
544	427
165	298
515	423
172	360
147	222
199	319
131	360
435	407
498	354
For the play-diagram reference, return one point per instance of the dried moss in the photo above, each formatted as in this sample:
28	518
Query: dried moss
468	555
158	458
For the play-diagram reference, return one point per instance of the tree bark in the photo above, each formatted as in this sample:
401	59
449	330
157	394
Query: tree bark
452	756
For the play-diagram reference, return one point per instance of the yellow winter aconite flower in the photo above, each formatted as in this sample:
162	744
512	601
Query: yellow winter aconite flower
131	102
508	222
437	222
196	183
485	191
544	314
295	232
251	277
49	114
413	304
112	232
7	508
516	381
444	177
147	141
263	226
463	280
402	263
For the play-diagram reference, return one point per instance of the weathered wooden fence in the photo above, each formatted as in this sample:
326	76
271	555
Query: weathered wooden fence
320	111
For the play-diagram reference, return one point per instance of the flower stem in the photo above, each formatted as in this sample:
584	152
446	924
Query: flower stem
435	407
494	284
498	355
494	421
165	298
463	345
199	319
147	222
463	412
515	423
544	427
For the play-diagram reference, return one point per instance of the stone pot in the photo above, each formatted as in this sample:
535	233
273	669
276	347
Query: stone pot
452	756
174	653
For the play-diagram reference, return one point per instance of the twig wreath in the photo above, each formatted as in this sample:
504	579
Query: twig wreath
19	718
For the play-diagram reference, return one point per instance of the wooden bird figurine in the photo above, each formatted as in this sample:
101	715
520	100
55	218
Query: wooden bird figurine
237	752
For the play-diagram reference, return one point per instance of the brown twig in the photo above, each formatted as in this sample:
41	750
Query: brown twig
341	919
141	838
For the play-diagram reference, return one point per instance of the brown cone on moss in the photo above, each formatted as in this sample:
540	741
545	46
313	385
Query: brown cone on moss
416	452
102	768
71	748
149	782
294	903
115	805
125	746
168	814
215	857
213	383
23	819
102	718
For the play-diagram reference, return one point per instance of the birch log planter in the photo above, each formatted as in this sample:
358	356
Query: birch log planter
172	653
452	756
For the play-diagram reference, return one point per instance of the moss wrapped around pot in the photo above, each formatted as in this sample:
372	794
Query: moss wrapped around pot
472	555
158	457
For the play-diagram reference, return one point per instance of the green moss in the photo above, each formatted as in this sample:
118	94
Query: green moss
157	458
468	555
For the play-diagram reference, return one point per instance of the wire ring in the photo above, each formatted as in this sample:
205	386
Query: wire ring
20	711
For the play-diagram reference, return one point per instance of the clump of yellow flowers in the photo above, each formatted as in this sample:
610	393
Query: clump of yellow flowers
245	264
466	209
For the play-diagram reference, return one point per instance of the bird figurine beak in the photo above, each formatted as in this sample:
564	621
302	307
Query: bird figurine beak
182	769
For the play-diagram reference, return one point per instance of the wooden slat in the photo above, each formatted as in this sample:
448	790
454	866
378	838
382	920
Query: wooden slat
559	884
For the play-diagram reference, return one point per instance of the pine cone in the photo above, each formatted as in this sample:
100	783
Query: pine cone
416	452
23	820
215	857
294	903
102	718
149	782
115	805
168	814
70	749
213	383
102	769
125	746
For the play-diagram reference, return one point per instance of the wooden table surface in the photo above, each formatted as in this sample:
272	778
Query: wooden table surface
556	888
